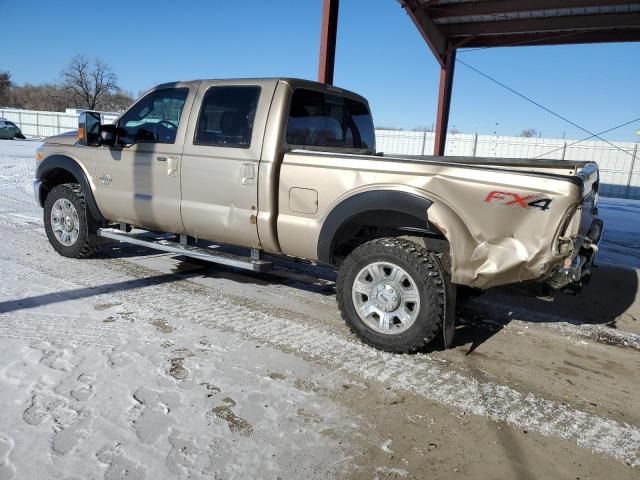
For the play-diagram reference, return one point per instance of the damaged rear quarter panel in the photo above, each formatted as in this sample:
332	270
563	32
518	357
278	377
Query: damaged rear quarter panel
496	241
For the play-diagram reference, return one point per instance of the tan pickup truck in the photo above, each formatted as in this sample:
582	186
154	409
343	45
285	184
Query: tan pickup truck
289	167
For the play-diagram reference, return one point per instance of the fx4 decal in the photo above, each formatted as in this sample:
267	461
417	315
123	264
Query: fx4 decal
513	199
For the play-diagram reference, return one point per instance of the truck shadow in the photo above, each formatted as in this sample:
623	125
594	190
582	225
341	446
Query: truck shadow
80	293
292	272
611	295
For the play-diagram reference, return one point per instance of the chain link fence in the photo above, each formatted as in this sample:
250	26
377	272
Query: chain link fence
45	124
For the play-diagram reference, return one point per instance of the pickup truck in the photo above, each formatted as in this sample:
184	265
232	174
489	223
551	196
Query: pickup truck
289	167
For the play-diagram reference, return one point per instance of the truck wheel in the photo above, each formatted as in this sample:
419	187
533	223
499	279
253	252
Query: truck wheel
68	222
391	294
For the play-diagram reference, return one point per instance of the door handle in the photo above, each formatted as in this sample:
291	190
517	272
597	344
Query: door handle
172	169
248	173
172	165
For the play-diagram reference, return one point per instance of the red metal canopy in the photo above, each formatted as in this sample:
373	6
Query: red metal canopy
447	25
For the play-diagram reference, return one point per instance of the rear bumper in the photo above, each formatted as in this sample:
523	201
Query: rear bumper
579	268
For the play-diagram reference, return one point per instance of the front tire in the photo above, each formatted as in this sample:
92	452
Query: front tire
67	221
391	294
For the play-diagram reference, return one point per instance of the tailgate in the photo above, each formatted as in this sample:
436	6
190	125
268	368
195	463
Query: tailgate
585	233
590	177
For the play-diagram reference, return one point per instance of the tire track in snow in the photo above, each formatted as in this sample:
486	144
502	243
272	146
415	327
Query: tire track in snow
418	374
15	328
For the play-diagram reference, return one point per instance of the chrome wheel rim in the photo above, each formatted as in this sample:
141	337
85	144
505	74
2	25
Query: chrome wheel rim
386	297
65	223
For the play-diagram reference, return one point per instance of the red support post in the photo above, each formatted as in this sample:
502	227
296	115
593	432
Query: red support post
328	40
444	102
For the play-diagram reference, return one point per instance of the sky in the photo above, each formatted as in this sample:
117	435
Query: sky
380	55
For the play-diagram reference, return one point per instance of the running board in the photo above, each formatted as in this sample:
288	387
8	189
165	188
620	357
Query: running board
222	258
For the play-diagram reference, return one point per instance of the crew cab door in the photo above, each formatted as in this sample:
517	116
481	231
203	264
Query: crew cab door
138	179
220	161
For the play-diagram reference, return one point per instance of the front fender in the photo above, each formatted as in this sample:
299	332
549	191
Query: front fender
47	168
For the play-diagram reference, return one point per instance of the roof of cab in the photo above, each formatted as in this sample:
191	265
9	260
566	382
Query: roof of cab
292	82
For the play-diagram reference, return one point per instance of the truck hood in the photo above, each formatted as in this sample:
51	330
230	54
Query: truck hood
67	138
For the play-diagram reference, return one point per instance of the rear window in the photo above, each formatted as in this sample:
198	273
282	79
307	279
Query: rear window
326	120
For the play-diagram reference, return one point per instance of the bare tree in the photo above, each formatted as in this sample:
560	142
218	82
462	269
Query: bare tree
117	102
5	88
84	84
88	82
529	133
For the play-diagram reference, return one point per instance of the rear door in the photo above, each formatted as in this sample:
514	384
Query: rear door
220	161
138	182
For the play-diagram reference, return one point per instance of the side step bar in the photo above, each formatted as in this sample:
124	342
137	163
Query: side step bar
223	258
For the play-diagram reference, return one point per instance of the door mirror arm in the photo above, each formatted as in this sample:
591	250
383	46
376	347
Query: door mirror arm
108	135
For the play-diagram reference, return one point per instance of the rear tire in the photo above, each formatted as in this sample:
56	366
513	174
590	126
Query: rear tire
67	221
391	294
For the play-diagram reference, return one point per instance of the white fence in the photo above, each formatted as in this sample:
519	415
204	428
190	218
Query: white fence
44	124
619	162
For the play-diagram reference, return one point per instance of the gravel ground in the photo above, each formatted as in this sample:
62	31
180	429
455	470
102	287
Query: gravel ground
135	364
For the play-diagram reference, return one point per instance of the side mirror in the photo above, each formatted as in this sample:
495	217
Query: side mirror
89	128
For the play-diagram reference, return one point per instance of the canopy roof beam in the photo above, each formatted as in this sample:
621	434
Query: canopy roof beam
448	25
328	34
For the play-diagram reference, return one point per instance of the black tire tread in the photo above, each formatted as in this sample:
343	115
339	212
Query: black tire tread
426	263
85	248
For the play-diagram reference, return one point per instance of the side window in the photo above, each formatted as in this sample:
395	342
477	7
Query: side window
226	116
326	120
359	125
155	118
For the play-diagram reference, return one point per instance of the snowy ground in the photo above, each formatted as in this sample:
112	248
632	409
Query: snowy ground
621	243
137	365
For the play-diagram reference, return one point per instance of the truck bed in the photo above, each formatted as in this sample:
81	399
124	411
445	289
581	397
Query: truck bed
503	217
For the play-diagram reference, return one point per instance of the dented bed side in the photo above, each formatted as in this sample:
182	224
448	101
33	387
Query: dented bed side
503	224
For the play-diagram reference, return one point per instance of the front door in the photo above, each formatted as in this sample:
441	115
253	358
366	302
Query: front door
138	180
220	161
